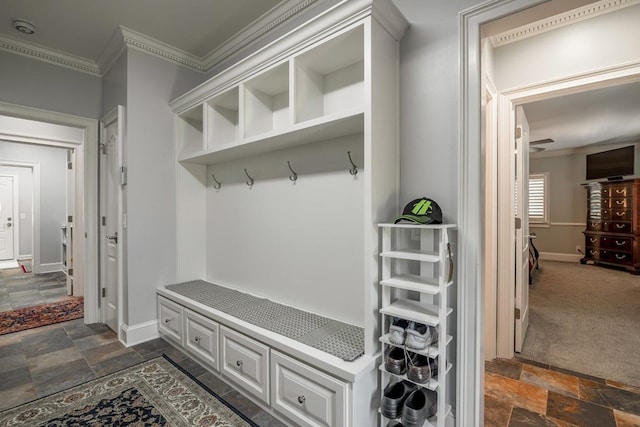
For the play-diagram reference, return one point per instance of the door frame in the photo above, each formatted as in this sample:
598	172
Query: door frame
509	99
85	216
117	114
15	195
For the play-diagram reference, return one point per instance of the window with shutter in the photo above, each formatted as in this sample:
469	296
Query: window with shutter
538	198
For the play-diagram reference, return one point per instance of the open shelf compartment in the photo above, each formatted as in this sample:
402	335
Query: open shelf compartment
222	114
190	130
330	78
266	102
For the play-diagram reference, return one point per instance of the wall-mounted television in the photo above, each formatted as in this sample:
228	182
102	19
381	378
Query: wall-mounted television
611	164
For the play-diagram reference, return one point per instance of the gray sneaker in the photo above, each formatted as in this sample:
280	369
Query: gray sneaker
420	405
397	330
393	398
419	336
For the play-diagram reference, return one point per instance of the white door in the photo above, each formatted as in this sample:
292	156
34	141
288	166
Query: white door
111	235
6	218
522	228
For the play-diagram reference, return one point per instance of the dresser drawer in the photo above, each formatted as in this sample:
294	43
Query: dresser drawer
617	257
305	395
620	203
201	337
170	319
624	244
617	227
246	362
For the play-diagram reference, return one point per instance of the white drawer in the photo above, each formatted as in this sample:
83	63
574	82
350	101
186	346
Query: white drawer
246	362
201	337
305	395
170	319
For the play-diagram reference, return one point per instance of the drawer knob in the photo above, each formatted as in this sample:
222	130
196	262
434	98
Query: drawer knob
620	243
593	239
167	320
197	339
619	225
620	256
620	213
301	399
592	252
239	363
619	202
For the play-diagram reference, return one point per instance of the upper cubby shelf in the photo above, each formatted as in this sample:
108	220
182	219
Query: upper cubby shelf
315	95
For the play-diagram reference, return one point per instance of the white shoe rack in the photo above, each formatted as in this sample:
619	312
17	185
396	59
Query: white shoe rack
417	284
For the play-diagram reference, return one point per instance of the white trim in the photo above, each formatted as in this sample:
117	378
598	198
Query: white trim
86	207
49	267
554	256
46	54
557	21
568	224
15	214
136	334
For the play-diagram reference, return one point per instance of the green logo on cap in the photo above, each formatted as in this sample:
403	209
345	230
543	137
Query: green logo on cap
422	207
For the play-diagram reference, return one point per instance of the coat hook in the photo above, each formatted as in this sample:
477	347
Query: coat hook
250	181
217	184
354	170
293	177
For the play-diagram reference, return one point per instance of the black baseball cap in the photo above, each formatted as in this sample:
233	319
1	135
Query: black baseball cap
421	211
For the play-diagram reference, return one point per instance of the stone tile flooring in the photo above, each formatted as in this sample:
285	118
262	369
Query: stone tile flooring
19	289
38	362
522	393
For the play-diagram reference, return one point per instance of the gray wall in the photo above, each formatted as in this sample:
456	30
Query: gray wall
567	203
33	83
25	208
114	85
150	193
53	190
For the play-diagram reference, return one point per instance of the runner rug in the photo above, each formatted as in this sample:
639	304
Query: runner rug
153	393
41	315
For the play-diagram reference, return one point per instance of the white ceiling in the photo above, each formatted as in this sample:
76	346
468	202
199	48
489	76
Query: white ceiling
84	27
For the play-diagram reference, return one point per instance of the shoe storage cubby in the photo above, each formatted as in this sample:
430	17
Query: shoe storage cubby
266	102
190	131
417	289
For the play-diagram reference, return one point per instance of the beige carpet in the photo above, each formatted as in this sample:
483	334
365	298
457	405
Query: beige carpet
586	319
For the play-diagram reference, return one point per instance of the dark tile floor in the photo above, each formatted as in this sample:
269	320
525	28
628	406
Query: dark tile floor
19	289
521	393
42	361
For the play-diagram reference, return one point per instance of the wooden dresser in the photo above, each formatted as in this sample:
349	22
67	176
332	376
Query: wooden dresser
613	224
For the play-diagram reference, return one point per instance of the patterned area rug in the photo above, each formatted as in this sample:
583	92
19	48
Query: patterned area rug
41	315
153	393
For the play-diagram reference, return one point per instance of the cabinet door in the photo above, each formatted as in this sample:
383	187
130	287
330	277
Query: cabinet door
170	319
306	396
245	362
201	337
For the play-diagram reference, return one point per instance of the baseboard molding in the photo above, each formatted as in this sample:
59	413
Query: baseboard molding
136	334
50	267
553	256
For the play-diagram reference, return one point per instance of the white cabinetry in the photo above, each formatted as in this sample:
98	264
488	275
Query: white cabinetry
418	286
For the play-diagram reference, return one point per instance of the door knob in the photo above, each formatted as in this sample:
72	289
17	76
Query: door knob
8	224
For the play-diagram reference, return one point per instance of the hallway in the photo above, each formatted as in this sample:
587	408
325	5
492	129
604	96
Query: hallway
19	289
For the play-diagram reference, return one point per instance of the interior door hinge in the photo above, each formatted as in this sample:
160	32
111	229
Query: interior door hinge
103	147
518	223
123	175
517	313
518	132
104	292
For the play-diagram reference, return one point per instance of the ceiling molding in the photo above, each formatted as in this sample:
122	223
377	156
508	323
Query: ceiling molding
258	28
557	21
35	51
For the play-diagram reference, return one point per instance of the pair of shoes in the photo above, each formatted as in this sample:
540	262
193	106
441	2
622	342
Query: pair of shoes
394	424
414	335
393	398
397	331
420	336
420	405
421	368
395	361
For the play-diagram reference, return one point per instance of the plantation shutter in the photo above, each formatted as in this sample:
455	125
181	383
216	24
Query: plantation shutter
537	198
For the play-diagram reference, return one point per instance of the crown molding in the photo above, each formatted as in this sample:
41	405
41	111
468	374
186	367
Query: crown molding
557	21
35	51
278	15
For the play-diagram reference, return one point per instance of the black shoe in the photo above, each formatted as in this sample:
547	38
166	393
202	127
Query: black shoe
395	361
394	397
421	368
420	405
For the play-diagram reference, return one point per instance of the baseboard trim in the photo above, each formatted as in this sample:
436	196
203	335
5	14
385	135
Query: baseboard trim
50	267
136	334
553	256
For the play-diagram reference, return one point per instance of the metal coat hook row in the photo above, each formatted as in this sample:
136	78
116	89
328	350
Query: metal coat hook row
250	181
354	169
293	177
217	184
